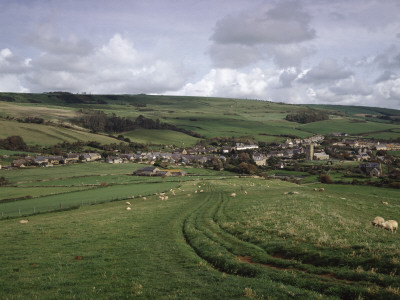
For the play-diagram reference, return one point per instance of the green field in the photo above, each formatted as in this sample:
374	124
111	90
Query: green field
162	137
348	126
266	244
211	117
49	135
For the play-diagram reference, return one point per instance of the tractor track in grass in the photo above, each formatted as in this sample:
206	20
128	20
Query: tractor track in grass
228	253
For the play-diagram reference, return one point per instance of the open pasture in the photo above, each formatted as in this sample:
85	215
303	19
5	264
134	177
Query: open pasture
161	137
349	126
272	239
49	135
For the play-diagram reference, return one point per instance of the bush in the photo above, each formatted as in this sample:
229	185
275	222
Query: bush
325	178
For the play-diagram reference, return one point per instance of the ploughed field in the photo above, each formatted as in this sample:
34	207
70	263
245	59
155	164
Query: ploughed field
272	239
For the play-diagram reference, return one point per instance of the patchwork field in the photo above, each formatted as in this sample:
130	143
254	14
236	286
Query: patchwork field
48	135
274	239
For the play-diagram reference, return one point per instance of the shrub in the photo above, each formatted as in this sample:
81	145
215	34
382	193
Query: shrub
325	178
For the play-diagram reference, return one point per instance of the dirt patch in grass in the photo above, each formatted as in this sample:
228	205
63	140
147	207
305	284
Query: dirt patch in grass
248	259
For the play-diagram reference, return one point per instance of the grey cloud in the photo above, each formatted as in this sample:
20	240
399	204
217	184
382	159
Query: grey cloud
285	23
10	63
234	56
389	59
287	77
328	70
289	55
386	75
351	87
56	45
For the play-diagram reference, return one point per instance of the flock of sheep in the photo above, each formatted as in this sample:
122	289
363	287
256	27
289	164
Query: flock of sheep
388	225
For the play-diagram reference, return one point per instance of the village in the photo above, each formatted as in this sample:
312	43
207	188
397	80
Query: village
333	147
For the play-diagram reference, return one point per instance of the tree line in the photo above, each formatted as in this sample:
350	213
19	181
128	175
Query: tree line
304	117
98	121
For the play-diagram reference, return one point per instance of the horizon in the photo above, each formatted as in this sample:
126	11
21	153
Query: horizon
295	52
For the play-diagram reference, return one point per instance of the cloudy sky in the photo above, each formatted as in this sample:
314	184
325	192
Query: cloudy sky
303	51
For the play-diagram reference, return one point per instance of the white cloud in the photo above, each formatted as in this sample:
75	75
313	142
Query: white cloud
232	83
116	67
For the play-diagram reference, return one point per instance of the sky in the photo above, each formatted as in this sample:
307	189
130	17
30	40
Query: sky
303	51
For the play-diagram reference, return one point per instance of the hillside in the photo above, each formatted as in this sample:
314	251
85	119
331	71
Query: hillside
277	240
260	121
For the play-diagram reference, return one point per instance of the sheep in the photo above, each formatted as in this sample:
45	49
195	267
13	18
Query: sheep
390	225
127	203
245	192
144	198
161	197
384	202
233	195
128	208
23	221
166	198
201	191
195	192
321	189
378	221
315	189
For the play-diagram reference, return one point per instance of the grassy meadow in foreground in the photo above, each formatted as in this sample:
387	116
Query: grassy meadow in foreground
273	239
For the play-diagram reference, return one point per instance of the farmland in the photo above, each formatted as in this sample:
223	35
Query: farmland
209	117
220	235
271	242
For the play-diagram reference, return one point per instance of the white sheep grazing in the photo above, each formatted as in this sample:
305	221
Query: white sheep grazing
378	221
384	202
195	192
321	189
128	208
233	195
161	197
23	221
245	192
166	198
144	198
127	203
390	225
201	191
315	189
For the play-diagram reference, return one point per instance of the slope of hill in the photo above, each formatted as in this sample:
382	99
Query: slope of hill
209	117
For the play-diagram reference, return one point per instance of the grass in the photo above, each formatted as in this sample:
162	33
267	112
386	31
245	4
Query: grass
304	245
348	126
212	117
49	135
162	137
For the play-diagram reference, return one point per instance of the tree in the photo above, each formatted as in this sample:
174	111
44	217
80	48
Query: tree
216	164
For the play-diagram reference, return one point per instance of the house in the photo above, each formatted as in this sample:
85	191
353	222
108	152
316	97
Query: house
55	159
153	171
147	171
227	149
176	172
321	156
371	168
94	156
381	147
71	157
40	160
114	160
260	159
241	146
